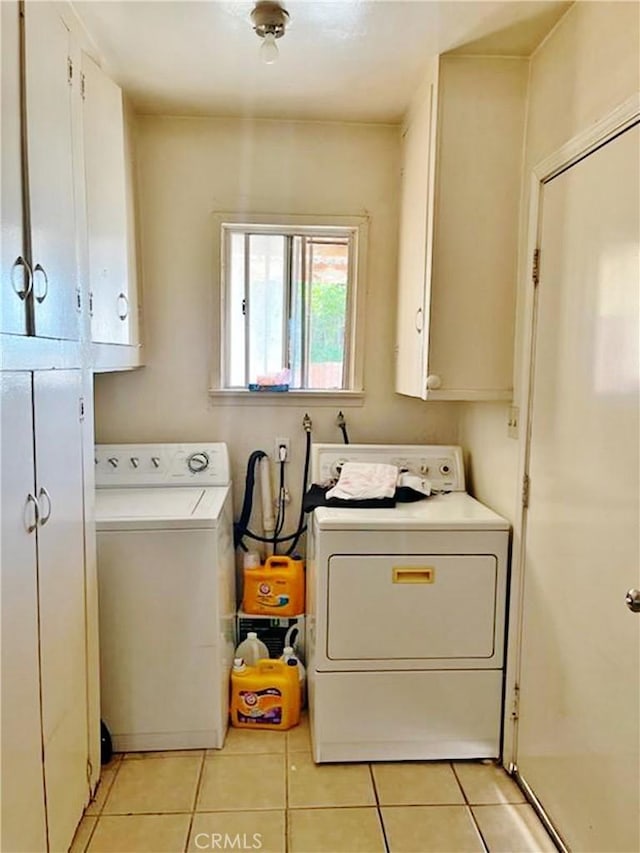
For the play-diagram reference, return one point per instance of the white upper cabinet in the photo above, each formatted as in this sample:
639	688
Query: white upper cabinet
106	202
461	174
15	276
49	81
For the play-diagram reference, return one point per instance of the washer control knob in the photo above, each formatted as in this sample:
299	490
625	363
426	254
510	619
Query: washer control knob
113	461
155	461
135	462
433	382
198	462
445	469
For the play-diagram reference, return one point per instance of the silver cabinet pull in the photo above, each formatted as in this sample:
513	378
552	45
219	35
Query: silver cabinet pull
123	306
632	599
44	517
30	525
156	461
419	314
113	461
41	296
135	462
24	291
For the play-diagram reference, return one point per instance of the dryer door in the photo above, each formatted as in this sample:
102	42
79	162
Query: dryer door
423	606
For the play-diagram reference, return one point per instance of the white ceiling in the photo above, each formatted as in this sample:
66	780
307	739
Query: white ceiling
356	60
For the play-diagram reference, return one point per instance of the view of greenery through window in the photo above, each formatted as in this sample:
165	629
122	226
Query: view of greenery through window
287	315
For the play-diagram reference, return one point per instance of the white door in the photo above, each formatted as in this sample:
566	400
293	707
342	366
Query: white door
59	484
15	279
51	192
416	223
578	737
23	818
106	205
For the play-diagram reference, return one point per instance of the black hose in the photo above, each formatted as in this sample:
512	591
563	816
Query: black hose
301	525
342	426
282	510
240	527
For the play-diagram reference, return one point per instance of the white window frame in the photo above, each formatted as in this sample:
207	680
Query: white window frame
355	319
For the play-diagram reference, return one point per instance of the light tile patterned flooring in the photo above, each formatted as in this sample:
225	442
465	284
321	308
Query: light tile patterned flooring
267	783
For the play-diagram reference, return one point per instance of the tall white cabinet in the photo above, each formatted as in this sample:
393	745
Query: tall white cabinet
461	162
112	306
44	717
49	87
50	743
15	272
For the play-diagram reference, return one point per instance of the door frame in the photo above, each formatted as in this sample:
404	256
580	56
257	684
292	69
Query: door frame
618	120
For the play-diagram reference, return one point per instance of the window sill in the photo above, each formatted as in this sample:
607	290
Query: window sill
244	397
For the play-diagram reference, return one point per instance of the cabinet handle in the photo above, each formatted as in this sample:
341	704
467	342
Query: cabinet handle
26	290
43	493
39	268
123	312
419	316
433	382
31	501
91	303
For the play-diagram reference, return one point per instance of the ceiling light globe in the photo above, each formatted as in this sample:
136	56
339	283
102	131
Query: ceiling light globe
269	50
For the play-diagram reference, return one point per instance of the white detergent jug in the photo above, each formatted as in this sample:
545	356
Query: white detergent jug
287	655
252	649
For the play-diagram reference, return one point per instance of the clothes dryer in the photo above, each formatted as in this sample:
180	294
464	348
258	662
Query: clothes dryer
406	617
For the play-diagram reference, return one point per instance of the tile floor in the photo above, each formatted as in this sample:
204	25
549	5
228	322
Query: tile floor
266	783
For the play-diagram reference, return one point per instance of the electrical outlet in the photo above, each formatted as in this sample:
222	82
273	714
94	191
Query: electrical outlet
512	423
278	443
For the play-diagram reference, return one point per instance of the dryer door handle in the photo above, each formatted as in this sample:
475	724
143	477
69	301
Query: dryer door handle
414	574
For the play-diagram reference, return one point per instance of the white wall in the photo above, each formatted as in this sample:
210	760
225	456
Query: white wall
585	67
189	168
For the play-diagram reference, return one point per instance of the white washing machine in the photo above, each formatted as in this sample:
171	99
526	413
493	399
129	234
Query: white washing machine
406	617
166	581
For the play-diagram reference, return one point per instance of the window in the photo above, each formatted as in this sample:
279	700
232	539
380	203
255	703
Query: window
290	304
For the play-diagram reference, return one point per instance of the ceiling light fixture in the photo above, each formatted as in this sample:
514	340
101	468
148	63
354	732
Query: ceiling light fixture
269	20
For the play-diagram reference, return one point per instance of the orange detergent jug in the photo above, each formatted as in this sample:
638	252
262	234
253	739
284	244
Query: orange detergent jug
266	696
276	589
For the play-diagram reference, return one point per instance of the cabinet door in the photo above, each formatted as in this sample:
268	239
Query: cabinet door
58	441
106	205
23	820
416	225
49	79
15	279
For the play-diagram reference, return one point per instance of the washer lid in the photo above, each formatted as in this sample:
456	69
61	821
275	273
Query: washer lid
158	508
455	511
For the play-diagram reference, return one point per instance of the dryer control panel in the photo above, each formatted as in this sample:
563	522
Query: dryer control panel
121	465
442	465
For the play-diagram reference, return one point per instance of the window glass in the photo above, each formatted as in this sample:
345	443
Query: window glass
289	297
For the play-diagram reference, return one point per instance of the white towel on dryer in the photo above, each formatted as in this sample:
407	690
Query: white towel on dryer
364	481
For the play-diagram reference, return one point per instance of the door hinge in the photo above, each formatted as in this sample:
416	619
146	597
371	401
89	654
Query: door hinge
535	268
515	703
91	303
526	486
83	86
69	70
244	307
81	408
89	773
78	299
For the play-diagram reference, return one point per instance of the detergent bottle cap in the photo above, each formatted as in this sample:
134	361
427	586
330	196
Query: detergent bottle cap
288	650
239	664
252	635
